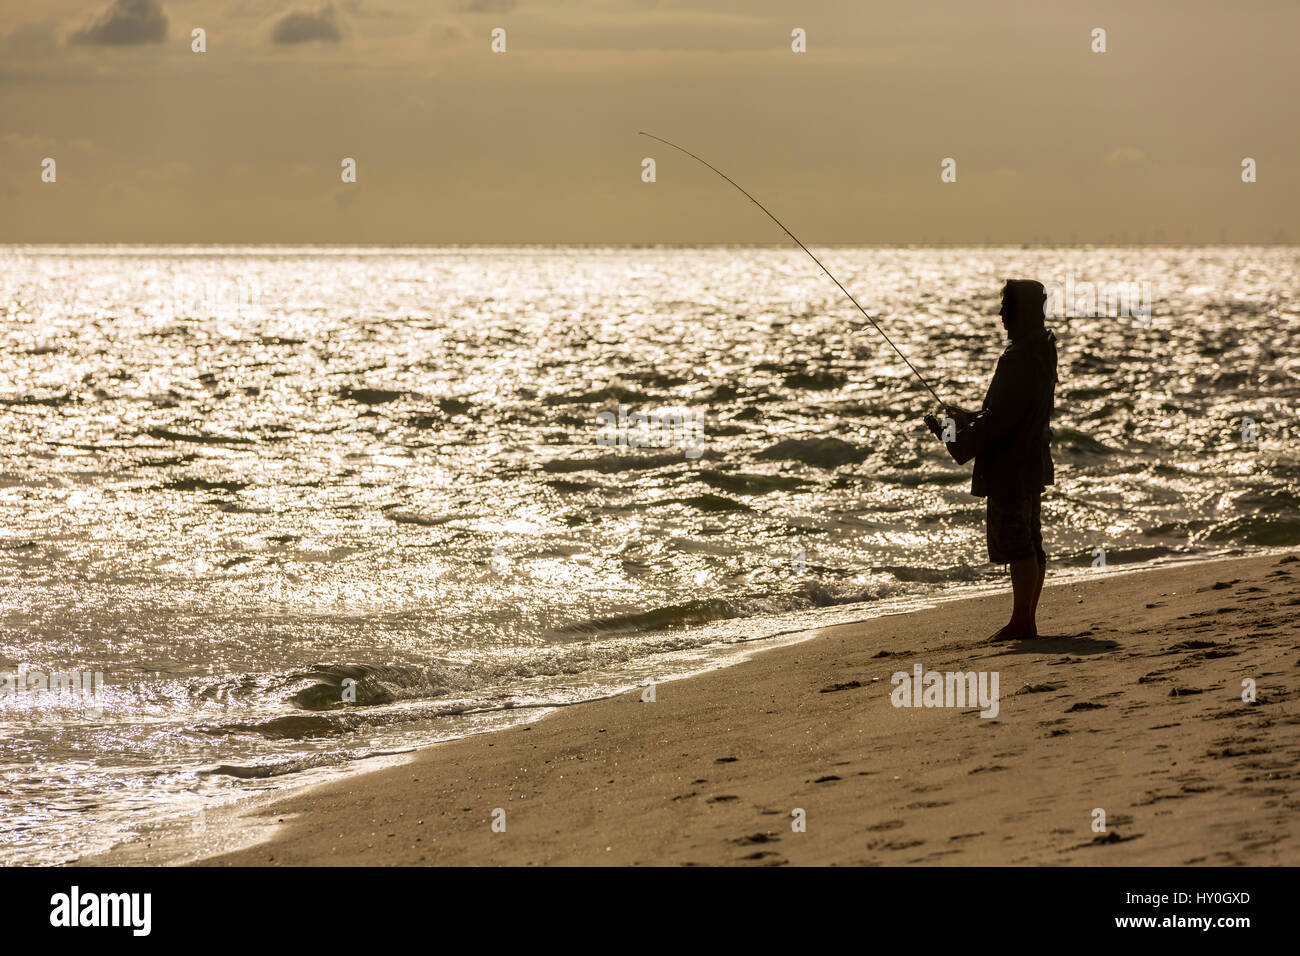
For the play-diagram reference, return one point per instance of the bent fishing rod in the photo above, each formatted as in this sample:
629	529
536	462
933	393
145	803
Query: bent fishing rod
810	255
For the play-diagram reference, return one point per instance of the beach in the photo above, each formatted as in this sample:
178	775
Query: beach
549	435
1130	703
300	527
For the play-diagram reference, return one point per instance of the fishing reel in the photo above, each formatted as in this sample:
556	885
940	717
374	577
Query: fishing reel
941	424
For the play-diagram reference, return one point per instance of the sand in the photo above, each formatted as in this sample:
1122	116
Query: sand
1132	706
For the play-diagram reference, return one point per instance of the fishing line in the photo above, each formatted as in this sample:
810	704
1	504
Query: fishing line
810	255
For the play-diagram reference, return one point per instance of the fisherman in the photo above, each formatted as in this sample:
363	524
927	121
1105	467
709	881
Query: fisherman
1009	439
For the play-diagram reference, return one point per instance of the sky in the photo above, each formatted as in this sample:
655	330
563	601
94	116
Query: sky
455	143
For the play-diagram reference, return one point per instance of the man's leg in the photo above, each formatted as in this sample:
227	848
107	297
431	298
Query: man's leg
1026	582
1038	591
1010	534
1036	529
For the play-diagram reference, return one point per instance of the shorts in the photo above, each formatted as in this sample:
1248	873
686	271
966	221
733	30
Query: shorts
1015	530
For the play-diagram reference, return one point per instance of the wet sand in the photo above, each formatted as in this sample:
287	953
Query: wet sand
1132	705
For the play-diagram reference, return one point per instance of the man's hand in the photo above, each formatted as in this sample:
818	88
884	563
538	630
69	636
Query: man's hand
935	426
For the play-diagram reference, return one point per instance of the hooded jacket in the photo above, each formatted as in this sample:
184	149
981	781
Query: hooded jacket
1010	438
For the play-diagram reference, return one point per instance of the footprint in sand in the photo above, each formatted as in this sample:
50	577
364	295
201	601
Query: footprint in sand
1230	751
1153	797
837	687
904	845
1153	676
1104	839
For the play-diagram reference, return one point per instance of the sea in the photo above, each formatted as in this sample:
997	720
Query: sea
271	514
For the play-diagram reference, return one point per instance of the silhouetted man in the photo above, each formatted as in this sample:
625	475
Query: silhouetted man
1009	439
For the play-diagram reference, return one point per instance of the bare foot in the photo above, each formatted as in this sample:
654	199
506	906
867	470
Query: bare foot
1009	633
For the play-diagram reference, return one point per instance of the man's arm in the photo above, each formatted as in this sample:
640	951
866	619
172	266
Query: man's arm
1005	406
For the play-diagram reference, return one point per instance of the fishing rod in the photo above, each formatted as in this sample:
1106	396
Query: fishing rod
810	255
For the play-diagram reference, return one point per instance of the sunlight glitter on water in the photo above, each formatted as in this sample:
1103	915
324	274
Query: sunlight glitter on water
234	479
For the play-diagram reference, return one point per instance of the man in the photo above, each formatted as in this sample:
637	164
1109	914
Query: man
1009	439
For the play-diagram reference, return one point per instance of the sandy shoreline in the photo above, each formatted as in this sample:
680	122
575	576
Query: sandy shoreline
1133	706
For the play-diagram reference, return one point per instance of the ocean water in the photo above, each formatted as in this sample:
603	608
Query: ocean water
300	507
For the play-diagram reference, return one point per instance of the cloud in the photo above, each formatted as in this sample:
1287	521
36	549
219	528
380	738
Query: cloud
28	42
304	26
125	23
27	142
355	8
1126	156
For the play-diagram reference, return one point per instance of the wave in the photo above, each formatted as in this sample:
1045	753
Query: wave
1122	555
923	575
675	615
607	464
50	401
610	393
203	484
819	381
916	479
1263	530
271	769
739	483
336	685
403	516
370	396
1074	441
201	438
706	503
818	452
810	594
